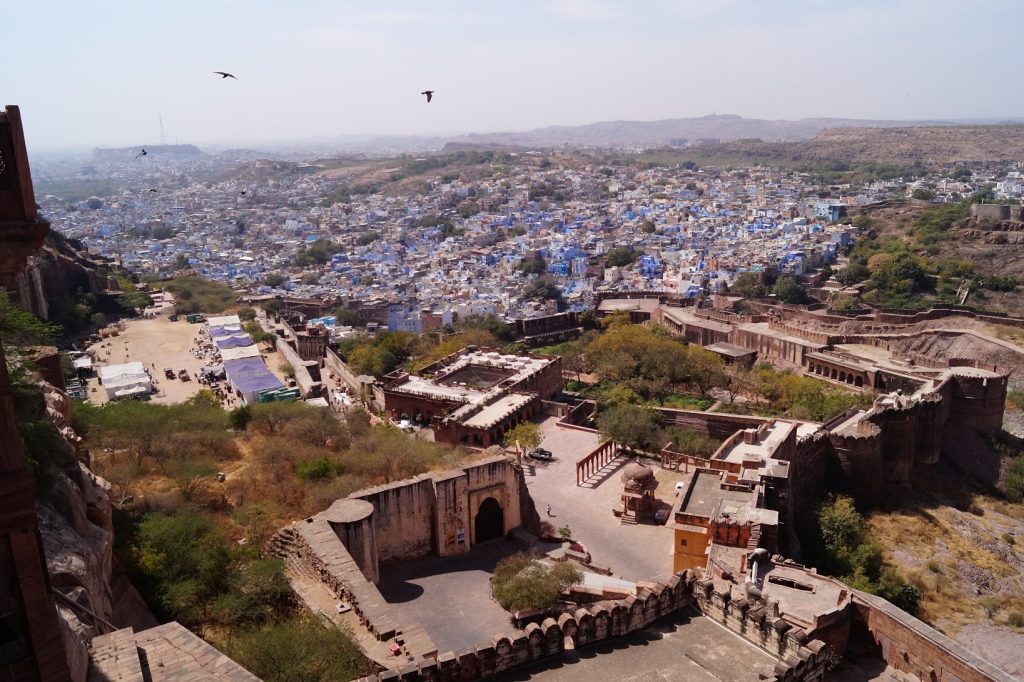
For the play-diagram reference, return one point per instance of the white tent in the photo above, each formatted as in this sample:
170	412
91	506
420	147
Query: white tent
240	352
123	380
224	321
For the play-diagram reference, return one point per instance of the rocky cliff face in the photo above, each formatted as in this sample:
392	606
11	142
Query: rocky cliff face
57	270
76	526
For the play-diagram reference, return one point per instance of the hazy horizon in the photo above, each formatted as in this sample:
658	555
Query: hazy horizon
102	74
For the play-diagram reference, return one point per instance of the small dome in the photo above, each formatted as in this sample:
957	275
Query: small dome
637	473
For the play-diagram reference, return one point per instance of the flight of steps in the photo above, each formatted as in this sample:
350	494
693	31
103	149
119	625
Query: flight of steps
161	654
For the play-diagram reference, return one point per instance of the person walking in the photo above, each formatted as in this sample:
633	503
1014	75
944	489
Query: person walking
549	510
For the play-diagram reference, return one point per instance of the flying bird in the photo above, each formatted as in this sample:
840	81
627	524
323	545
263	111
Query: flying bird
142	153
152	190
244	191
429	94
225	74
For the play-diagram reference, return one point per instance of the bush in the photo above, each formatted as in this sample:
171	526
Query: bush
934	566
522	582
198	295
299	649
1013	480
1016	619
318	469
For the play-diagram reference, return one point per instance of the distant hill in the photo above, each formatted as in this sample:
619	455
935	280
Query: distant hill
683	131
899	146
166	149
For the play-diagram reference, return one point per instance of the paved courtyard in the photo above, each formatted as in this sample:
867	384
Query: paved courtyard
450	598
633	552
686	647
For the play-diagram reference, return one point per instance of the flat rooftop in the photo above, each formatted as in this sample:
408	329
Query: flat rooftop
763	449
614	304
705	495
498	410
764	329
686	316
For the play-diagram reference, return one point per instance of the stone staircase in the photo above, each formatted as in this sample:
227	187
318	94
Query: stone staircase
161	654
321	595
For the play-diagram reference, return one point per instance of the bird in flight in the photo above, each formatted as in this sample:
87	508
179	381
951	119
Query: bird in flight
244	191
225	74
429	94
152	190
142	153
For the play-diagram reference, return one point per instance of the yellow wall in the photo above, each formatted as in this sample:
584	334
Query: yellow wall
691	549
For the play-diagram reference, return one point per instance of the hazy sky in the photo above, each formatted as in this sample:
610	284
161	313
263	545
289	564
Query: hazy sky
99	73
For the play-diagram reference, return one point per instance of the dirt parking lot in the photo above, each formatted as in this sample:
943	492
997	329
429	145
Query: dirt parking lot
156	342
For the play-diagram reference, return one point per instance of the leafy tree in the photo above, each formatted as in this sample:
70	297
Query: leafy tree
240	417
748	285
533	266
526	434
621	256
348	317
632	426
788	291
319	469
309	278
372	360
367	238
543	288
521	582
259	335
922	194
318	253
180	262
274	279
488	322
648	227
247	314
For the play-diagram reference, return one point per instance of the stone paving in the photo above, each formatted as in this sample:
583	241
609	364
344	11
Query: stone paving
687	647
450	597
633	552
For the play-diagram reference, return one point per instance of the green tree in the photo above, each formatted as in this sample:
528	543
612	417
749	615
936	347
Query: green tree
748	285
371	360
274	279
543	288
521	582
621	256
631	426
488	322
788	291
247	314
526	434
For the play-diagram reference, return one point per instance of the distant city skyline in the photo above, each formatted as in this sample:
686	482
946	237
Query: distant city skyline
103	73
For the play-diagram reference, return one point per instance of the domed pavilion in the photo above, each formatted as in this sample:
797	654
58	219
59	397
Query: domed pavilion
638	491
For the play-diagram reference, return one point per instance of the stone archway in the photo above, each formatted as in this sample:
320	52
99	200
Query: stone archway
489	522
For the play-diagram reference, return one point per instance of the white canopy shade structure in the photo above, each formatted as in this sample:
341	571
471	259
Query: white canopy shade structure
129	379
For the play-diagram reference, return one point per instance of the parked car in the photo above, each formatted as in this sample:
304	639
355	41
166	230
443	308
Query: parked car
540	453
661	516
183	375
168	372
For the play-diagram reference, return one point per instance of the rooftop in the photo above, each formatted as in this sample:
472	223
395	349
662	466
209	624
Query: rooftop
705	495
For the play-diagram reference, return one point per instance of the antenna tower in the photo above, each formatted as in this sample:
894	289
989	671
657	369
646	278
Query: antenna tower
162	140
